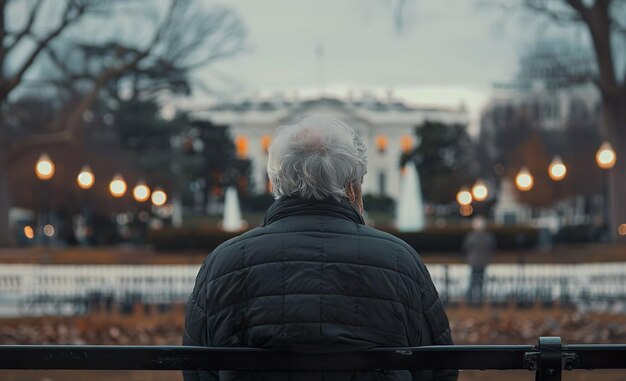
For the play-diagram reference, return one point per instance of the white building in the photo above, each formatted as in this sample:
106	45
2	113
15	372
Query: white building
388	127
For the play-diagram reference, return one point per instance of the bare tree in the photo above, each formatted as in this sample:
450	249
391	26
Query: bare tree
605	21
183	38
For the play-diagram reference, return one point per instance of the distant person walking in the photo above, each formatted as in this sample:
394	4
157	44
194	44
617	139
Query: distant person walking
478	246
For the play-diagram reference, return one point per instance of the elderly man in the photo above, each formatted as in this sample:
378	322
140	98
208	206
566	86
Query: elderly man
314	277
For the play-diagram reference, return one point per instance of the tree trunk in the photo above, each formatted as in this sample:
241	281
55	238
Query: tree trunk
614	123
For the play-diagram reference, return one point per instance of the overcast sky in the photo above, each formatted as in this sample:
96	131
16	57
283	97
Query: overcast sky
448	52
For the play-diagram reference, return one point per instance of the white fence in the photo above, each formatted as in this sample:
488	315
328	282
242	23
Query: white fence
81	280
175	282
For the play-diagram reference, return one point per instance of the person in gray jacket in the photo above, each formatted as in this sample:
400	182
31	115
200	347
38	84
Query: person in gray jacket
478	245
314	278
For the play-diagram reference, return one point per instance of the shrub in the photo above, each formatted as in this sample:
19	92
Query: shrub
451	238
447	239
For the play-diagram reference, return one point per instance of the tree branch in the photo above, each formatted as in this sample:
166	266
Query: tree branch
579	7
27	28
560	16
8	86
73	121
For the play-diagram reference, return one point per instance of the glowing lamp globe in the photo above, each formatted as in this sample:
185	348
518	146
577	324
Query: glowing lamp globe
85	178
117	186
44	169
141	192
480	192
557	169
464	197
159	197
524	180
605	156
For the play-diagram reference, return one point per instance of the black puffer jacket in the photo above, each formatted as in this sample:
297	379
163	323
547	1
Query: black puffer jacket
315	278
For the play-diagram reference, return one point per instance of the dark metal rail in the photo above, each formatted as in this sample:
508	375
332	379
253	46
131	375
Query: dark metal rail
547	359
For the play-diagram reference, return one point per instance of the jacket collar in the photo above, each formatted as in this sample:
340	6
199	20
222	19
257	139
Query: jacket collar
292	206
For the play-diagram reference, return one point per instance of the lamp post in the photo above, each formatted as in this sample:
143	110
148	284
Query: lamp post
141	194
464	199
606	159
44	170
85	180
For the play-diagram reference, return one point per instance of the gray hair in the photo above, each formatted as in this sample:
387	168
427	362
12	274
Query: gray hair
316	157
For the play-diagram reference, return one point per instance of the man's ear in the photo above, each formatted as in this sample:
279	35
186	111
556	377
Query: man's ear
350	192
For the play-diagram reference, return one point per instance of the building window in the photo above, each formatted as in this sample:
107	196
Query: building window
406	143
381	183
265	143
241	146
381	143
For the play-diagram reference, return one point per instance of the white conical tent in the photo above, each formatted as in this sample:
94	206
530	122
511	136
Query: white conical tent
410	206
232	221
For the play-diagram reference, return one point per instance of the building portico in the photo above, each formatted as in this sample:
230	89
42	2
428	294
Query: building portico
388	129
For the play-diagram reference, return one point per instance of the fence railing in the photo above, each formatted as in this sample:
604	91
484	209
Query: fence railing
548	358
34	290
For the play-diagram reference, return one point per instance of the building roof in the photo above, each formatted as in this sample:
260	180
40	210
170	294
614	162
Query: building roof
391	110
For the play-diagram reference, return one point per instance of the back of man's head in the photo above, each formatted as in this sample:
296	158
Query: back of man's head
316	157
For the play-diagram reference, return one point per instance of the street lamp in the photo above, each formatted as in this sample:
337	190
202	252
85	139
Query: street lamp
480	192
159	197
605	156
557	169
29	232
141	192
464	197
117	186
524	180
85	178
44	169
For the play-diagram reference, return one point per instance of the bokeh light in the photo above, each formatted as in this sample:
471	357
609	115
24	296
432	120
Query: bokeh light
117	186
141	192
29	232
464	197
44	169
48	230
605	156
557	169
159	197
466	210
524	180
480	192
85	178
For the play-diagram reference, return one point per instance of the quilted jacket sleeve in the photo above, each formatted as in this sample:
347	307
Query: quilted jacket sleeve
436	321
195	333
